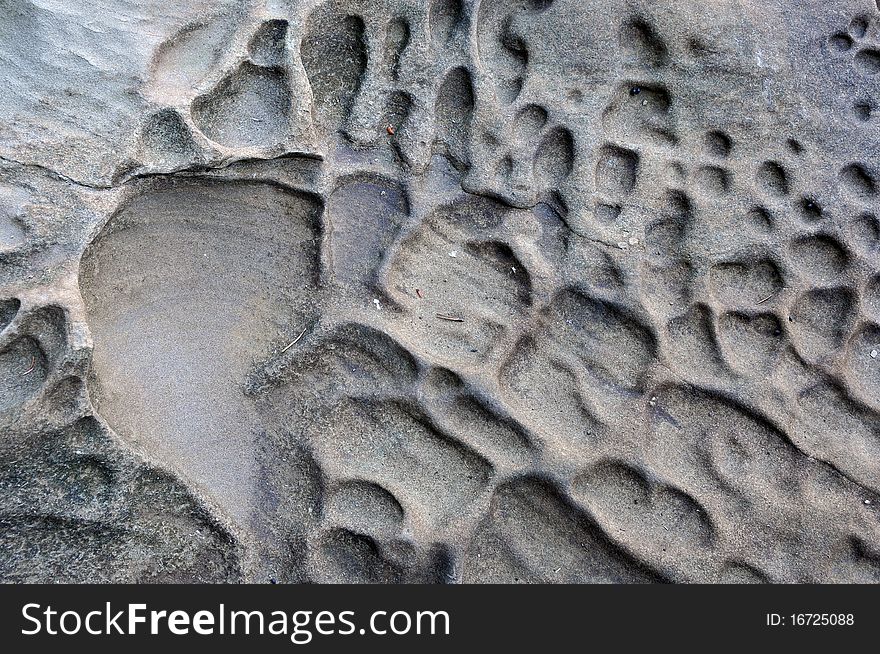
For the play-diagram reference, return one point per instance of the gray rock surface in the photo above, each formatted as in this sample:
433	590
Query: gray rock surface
448	291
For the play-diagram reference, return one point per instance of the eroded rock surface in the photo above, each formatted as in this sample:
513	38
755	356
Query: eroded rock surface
472	291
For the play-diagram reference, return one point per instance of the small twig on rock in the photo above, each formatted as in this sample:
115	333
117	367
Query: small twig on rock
32	368
294	341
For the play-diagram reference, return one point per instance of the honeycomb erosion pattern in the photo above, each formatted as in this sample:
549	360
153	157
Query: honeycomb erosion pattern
447	291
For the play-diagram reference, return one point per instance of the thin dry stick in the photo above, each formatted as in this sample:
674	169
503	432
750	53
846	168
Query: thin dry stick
32	368
294	341
449	318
